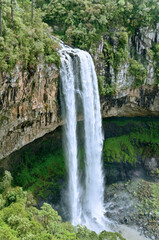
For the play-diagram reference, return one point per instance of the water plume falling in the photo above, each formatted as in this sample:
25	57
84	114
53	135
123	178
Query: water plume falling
79	89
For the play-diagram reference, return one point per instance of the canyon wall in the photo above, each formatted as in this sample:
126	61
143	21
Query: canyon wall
28	106
29	100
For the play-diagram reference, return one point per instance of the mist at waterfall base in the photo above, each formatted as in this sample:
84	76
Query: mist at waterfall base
80	99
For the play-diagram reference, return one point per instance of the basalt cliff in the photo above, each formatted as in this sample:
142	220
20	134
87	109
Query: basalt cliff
29	100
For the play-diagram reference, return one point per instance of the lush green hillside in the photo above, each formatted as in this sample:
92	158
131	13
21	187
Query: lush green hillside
19	219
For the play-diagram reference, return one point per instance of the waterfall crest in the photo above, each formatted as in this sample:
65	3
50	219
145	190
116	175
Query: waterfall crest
79	89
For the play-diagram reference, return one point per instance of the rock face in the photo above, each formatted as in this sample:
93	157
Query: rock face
142	101
28	106
127	70
126	62
130	204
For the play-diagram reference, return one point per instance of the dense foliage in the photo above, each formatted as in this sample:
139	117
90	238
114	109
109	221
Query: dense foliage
23	39
42	171
81	23
137	14
20	219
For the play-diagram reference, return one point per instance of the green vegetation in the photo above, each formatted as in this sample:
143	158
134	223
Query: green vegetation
83	23
105	88
20	219
138	71
136	14
156	59
115	52
121	54
147	194
134	137
26	41
3	118
79	23
41	170
123	150
109	236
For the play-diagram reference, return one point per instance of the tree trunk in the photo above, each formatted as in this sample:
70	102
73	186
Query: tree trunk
0	17
12	13
32	10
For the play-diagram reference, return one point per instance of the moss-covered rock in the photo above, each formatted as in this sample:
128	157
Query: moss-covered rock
40	167
138	71
131	143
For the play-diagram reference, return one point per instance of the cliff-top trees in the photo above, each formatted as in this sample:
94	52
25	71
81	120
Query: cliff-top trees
12	11
0	17
32	9
80	23
26	41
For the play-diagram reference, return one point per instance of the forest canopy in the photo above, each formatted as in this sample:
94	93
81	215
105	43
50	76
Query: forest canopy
20	219
82	23
24	38
25	34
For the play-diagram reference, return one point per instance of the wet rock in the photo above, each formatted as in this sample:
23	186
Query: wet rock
132	209
151	164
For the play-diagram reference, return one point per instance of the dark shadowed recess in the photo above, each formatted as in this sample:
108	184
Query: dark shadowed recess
130	150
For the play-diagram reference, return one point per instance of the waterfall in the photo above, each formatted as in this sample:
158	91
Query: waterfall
79	94
69	114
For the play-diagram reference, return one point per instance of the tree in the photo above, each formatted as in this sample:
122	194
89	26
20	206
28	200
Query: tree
12	13
32	10
6	181
0	17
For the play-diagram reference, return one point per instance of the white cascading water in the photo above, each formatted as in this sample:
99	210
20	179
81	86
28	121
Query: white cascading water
79	84
69	114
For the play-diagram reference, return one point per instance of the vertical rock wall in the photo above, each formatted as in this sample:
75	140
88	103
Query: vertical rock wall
113	65
28	106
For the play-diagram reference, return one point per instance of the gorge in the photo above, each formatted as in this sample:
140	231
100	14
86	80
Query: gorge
54	141
44	115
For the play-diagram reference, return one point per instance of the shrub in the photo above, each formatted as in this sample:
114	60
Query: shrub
138	71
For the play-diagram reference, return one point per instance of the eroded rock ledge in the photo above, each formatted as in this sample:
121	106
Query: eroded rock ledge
29	106
142	101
